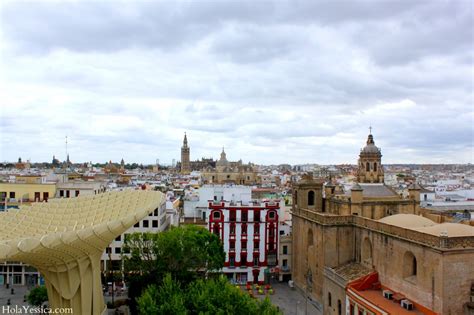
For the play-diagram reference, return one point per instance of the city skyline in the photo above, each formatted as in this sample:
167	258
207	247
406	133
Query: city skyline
271	82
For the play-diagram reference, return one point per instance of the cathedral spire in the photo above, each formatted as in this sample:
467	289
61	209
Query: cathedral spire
185	156
185	140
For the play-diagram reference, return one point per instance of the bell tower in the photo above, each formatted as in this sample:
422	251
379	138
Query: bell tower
185	153
370	162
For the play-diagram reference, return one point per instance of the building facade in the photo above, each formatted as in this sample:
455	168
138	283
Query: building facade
250	237
344	235
155	222
227	172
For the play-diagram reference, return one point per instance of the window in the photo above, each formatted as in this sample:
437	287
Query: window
145	223
256	229
232	216
285	250
216	215
108	250
46	196
61	193
255	260
155	213
255	245
310	237
118	238
12	194
285	262
154	223
243	258
339	307
68	194
244	246
232	245
271	215
117	250
329	299
375	166
367	167
216	229
77	193
256	215
232	228
37	196
137	224
244	229
271	232
228	176
295	197
232	261
215	197
409	265
244	216
311	198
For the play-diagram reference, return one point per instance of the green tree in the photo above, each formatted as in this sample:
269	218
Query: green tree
189	252
167	299
186	253
202	296
37	296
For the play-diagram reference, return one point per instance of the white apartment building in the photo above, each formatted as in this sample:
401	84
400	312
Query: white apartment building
196	204
156	222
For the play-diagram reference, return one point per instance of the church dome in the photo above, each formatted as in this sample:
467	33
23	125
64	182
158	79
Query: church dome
370	147
409	221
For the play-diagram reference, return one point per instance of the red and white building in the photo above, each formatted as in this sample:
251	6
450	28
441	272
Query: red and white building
249	233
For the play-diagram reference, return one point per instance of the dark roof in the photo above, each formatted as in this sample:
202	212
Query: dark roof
375	190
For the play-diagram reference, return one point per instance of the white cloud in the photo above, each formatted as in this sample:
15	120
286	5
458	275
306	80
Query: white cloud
272	82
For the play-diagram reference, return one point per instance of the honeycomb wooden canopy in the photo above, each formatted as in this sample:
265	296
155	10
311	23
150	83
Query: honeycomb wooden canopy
65	238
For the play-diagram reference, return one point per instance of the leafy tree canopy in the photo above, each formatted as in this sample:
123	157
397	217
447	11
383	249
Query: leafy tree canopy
186	253
211	296
37	296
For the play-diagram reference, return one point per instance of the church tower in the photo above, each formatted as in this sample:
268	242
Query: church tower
370	163
185	152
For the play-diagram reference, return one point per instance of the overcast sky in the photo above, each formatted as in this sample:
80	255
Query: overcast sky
283	82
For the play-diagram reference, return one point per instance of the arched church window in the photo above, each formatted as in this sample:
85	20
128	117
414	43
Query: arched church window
310	237
311	198
367	166
410	267
375	166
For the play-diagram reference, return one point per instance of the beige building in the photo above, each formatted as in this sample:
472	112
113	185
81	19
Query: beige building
227	172
345	240
13	194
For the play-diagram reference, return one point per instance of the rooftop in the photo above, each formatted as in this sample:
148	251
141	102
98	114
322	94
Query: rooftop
448	229
407	221
374	190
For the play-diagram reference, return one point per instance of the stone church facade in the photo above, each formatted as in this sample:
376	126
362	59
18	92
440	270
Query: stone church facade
351	247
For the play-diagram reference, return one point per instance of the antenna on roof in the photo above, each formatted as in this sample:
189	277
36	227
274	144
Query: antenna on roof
66	147
370	129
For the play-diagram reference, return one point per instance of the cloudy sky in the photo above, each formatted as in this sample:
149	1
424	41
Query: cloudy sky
283	82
